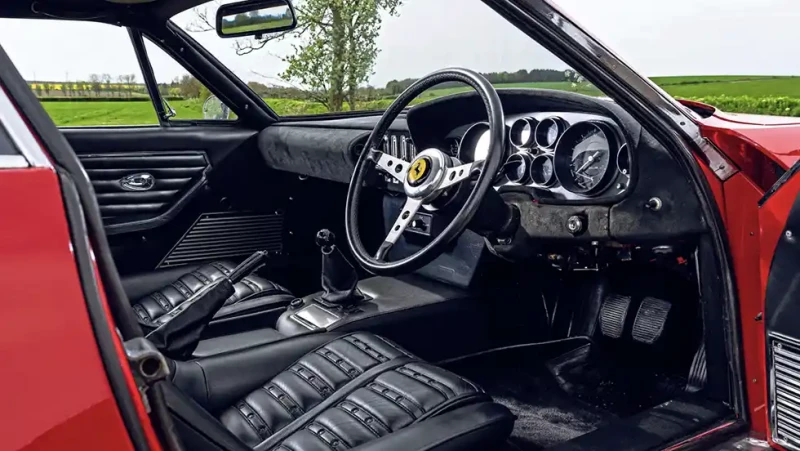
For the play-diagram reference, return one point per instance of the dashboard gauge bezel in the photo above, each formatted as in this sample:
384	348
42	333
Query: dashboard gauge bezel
562	157
540	160
470	140
514	133
623	154
540	134
523	158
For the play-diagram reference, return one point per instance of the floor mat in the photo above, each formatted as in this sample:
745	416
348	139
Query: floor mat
546	415
559	394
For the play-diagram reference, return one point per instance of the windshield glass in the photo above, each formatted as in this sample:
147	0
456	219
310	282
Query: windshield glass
382	49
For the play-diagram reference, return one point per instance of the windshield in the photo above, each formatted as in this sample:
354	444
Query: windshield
381	51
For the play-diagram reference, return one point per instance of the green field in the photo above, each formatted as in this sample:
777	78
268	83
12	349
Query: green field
745	94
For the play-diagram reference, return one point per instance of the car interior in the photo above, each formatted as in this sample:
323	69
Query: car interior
517	269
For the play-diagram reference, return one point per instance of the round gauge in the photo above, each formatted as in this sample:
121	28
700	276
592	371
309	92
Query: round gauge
452	146
475	143
522	132
548	131
542	170
584	155
624	160
517	167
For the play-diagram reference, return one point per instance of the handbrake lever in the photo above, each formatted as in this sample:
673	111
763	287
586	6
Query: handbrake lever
177	333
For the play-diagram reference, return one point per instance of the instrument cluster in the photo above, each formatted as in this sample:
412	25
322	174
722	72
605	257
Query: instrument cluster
568	155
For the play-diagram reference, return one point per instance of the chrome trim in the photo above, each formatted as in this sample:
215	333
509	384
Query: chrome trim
404	149
430	187
142	181
13	162
394	152
783	373
20	134
719	164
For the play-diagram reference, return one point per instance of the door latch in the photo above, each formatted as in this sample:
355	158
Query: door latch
137	182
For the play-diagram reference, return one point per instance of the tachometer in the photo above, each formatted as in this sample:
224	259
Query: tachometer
548	131
475	143
584	157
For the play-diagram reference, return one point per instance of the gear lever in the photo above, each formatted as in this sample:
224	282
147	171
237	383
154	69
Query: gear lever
339	279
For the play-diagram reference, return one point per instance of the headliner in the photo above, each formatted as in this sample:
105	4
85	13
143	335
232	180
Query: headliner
101	10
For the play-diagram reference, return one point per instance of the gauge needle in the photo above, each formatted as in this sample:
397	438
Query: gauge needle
588	163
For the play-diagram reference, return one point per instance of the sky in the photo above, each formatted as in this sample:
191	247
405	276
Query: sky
675	37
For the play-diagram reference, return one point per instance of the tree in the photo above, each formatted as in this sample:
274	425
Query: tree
95	80
38	88
336	47
47	88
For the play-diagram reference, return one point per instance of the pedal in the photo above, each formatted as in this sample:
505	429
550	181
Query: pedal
698	373
613	314
650	320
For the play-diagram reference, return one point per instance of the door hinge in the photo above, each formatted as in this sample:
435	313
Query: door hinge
147	363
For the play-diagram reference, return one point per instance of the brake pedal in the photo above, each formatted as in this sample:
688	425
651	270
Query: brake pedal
650	320
613	314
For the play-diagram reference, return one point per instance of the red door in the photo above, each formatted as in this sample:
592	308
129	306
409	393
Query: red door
53	387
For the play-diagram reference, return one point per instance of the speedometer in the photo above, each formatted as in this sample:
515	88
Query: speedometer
584	157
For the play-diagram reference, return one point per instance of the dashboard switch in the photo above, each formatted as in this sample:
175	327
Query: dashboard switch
576	224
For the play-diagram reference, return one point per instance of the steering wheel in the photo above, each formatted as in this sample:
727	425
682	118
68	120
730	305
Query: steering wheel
426	178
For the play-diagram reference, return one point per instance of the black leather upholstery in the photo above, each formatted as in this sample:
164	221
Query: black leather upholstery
236	341
341	392
252	293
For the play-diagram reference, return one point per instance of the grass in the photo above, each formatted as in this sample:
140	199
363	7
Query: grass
733	93
263	26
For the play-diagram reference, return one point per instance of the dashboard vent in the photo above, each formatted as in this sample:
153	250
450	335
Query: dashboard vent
399	145
785	392
216	236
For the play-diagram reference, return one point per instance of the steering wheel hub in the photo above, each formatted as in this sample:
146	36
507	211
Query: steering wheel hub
425	174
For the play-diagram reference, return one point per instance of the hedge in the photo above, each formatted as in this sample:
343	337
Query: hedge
105	99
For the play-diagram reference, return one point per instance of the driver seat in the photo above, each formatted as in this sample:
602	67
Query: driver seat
330	392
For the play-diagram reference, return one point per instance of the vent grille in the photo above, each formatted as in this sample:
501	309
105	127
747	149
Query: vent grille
216	236
786	393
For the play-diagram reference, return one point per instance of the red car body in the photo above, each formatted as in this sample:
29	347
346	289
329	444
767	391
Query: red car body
51	356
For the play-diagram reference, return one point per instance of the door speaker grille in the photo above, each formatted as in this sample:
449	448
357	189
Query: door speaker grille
216	236
785	392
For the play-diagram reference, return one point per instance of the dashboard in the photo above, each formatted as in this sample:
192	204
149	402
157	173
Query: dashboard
561	155
566	155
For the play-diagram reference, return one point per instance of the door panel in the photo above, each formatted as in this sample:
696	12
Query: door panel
140	190
190	173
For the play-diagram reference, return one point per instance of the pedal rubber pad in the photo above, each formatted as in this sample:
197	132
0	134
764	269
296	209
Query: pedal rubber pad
613	314
650	320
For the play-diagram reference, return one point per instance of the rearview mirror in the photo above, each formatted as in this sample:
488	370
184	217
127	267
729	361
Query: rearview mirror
255	18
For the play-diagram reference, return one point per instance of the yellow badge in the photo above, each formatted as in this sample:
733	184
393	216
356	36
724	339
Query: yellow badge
418	170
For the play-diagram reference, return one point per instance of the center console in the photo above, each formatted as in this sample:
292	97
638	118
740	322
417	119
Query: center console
432	319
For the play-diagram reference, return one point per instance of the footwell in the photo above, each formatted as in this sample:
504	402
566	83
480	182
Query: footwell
546	416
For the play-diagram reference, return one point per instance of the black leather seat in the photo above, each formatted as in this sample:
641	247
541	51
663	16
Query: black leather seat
252	293
324	392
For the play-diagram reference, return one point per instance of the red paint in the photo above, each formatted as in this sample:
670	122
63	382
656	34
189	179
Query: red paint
741	204
694	441
53	382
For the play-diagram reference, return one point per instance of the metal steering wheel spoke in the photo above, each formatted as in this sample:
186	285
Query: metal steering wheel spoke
407	214
393	166
456	174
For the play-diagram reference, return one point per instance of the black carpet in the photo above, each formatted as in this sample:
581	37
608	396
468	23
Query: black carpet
558	396
546	416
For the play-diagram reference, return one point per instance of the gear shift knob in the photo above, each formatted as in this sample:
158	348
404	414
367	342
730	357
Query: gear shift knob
325	238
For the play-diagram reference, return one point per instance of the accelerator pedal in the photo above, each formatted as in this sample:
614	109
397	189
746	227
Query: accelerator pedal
650	320
698	373
613	314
